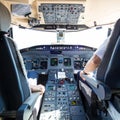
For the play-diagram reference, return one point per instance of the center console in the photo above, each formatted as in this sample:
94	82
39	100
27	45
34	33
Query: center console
62	100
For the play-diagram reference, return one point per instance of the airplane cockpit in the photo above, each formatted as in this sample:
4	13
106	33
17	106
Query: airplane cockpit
49	42
56	66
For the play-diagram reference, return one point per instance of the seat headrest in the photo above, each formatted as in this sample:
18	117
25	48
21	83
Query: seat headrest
5	18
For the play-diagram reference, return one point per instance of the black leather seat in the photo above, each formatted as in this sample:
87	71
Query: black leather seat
16	99
107	81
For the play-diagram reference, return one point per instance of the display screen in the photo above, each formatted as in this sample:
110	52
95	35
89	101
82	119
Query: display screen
67	62
43	65
78	65
54	62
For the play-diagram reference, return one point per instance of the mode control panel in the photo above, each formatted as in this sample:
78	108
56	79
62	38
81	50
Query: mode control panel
62	100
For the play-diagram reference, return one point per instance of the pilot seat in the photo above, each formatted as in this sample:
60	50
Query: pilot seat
16	100
102	92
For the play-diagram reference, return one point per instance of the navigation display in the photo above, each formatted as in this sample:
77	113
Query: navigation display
54	61
67	62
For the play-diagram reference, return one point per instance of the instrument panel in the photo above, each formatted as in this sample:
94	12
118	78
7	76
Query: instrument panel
60	64
55	62
43	58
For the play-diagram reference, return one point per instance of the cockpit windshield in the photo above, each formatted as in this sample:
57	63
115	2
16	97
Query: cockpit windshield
91	37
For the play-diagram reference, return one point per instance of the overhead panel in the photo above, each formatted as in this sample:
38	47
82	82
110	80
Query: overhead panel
61	13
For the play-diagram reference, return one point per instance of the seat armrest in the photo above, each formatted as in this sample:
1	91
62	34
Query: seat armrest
28	108
102	91
91	80
30	101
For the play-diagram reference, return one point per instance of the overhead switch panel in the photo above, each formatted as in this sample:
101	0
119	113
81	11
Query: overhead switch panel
61	13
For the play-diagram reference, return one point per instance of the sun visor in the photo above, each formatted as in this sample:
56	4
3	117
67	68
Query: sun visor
21	9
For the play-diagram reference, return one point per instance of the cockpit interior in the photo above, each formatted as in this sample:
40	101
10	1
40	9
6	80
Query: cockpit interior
57	65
